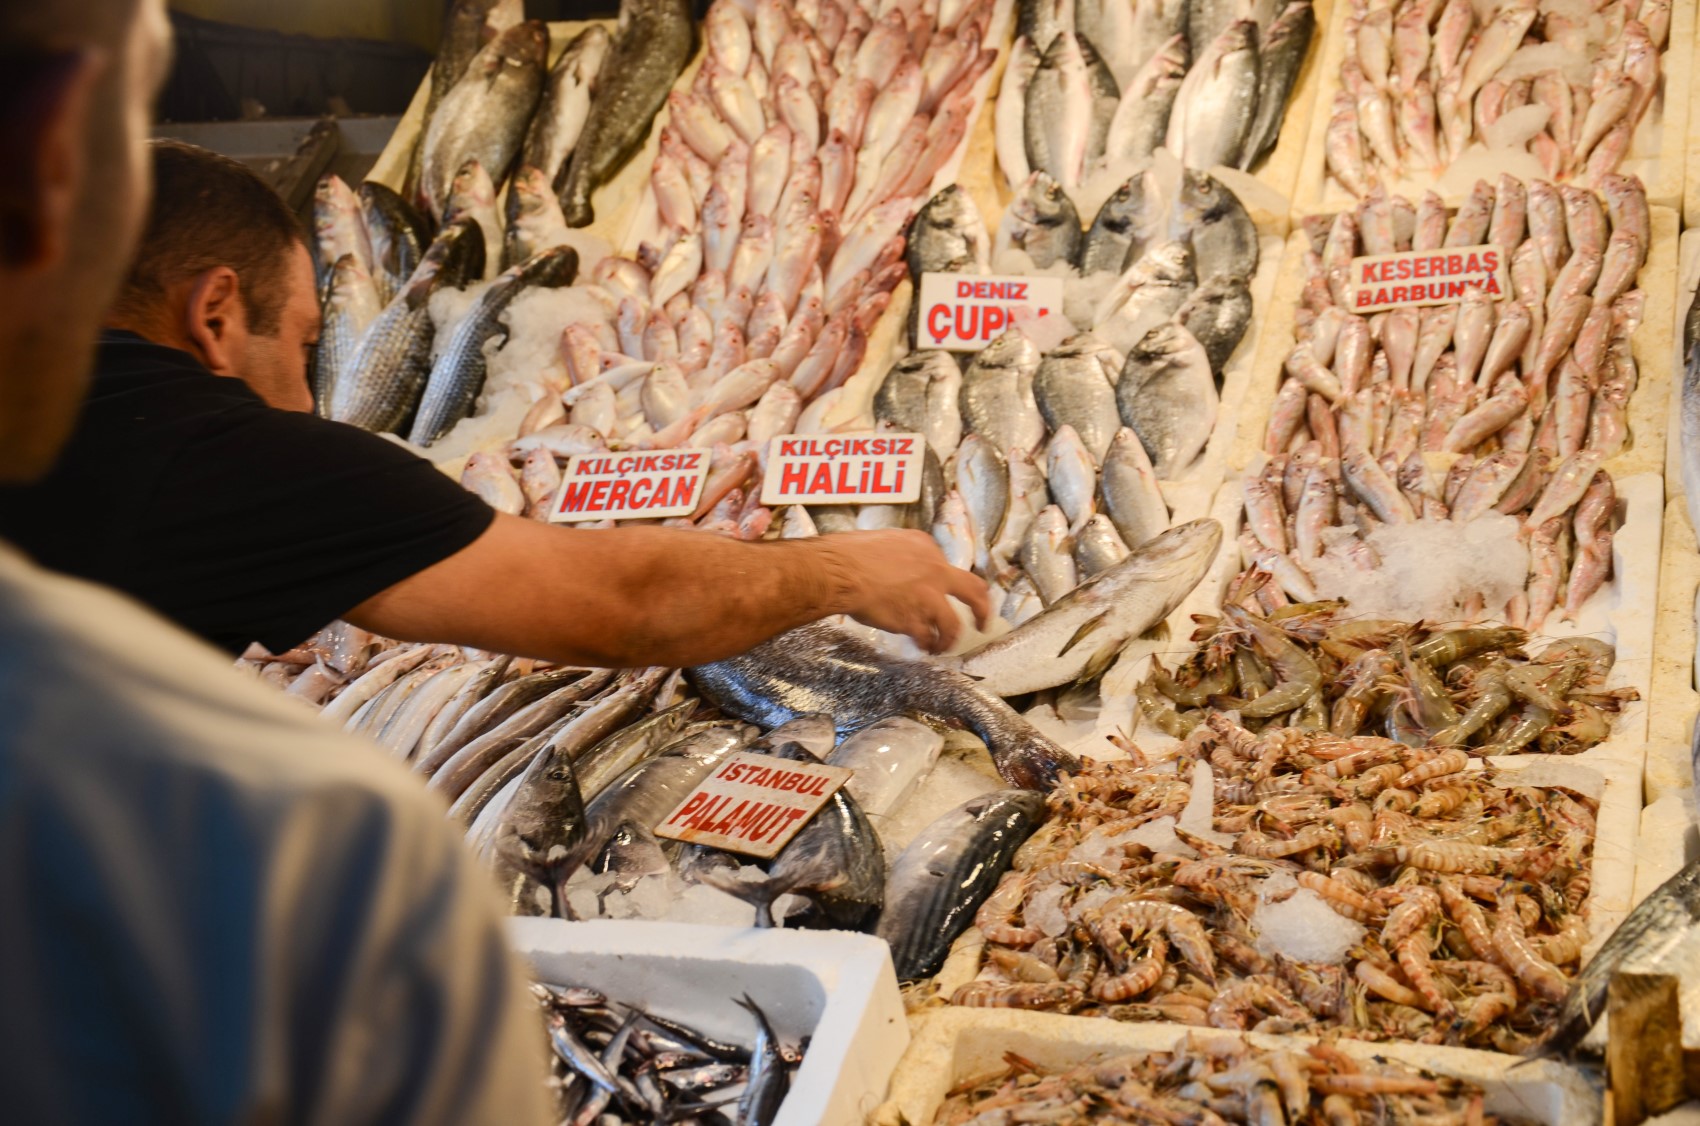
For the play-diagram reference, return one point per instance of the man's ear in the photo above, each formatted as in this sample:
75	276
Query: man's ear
214	318
40	184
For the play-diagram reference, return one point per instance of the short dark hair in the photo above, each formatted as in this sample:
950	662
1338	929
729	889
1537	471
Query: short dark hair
208	211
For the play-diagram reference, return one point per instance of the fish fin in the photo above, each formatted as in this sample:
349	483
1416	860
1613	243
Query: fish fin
1086	628
1099	664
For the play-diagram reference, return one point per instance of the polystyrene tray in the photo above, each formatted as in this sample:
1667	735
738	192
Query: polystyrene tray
836	988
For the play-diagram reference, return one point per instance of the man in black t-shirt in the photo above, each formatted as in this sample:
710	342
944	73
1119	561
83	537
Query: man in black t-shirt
199	482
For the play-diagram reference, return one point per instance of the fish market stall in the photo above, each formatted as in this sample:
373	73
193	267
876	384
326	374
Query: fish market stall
1616	86
955	1047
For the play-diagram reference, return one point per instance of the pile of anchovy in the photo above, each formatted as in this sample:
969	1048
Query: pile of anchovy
1216	1081
616	1063
1457	895
1314	667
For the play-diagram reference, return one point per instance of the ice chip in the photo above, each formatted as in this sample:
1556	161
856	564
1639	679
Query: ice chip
1302	926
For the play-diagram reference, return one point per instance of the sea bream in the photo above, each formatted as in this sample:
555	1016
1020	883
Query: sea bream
1084	631
819	668
1167	394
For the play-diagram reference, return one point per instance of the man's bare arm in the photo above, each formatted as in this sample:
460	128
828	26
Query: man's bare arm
665	596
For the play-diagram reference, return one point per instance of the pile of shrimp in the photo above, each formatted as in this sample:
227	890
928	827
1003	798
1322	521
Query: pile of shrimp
1313	667
1468	892
1217	1080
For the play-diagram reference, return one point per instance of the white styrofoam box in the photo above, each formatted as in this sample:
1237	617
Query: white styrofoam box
837	988
1670	840
1658	151
954	1045
1686	274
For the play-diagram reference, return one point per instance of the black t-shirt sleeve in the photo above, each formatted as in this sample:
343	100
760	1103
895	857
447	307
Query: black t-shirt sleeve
268	525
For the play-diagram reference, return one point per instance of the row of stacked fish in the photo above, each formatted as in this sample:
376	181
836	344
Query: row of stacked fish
559	775
1397	437
1051	443
1425	83
1218	1080
1297	881
1100	85
1321	667
783	184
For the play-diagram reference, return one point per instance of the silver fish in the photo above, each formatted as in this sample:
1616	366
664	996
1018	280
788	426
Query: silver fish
1224	239
1167	395
389	370
565	105
351	305
1213	113
1041	222
888	757
997	394
1084	631
1060	113
1218	314
457	377
948	236
534	221
1098	547
1072	389
1132	499
1128	224
484	116
398	234
1141	121
818	668
1281	55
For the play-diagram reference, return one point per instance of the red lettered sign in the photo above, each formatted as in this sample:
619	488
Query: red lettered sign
1427	277
630	486
866	468
753	804
966	312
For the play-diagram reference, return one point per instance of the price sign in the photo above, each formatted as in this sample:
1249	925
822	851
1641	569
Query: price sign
843	469
609	486
1426	277
753	804
966	312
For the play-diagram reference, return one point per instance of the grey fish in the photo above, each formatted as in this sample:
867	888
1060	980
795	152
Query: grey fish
651	47
1098	546
457	377
836	861
1281	56
982	476
818	668
466	765
920	394
1079	635
534	221
997	394
398	233
1168	396
1106	99
495	708
1208	19
469	25
940	880
1132	499
565	105
1041	21
1217	314
394	359
1128	224
1072	390
769	1080
1660	936
948	236
618	752
918	514
1155	23
1057	120
815	733
1224	239
351	305
541	824
652	789
1042	222
1152	289
484	116
1141	120
1217	100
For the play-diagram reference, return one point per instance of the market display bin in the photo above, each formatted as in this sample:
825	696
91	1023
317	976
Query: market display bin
951	1046
1659	150
835	988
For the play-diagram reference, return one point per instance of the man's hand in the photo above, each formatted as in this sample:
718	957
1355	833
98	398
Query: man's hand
899	581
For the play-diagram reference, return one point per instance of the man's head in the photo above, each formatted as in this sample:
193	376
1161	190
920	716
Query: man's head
77	83
223	272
